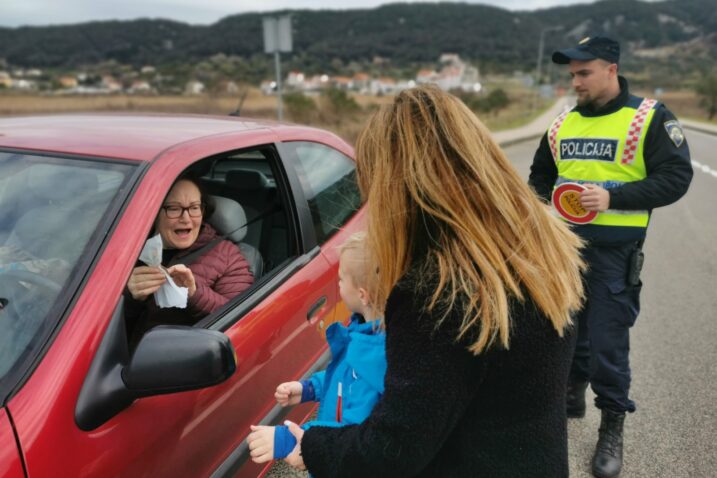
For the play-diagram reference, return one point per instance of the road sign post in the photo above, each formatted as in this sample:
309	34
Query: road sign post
277	38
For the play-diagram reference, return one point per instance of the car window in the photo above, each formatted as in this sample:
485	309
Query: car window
249	207
328	179
49	210
248	177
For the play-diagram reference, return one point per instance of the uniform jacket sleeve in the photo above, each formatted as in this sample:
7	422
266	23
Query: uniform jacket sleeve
430	381
669	170
220	275
543	172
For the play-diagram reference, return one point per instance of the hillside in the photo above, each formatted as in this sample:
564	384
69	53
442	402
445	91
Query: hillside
401	35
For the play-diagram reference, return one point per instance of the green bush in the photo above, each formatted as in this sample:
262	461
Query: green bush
706	88
494	101
340	102
300	108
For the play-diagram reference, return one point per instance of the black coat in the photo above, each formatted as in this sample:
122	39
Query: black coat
447	412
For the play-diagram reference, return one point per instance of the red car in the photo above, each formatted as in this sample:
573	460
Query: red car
78	198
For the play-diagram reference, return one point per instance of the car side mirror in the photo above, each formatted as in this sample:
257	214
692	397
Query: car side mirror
167	359
175	358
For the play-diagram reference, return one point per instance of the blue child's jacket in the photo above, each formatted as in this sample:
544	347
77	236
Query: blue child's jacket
357	367
358	363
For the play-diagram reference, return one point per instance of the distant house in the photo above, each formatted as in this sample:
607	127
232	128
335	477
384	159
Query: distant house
148	70
194	87
450	77
5	79
342	82
426	76
68	81
361	82
383	86
111	84
140	86
23	84
317	83
295	80
454	74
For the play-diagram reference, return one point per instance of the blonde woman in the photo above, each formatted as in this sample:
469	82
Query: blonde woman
479	283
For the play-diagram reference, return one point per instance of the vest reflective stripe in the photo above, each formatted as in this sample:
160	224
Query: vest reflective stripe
634	134
553	132
605	150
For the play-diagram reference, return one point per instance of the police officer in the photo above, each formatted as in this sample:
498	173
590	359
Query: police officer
631	156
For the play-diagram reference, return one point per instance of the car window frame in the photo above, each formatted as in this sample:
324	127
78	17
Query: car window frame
292	153
14	380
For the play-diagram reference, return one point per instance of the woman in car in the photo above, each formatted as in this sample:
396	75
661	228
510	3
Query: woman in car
480	282
211	268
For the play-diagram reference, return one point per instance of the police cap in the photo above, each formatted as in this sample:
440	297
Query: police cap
590	48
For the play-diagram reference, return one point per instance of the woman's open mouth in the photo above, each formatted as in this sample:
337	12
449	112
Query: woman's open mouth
183	233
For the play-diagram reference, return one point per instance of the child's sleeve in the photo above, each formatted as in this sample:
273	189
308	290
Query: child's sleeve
284	442
315	383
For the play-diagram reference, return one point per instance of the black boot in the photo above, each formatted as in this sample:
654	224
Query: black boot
575	399
607	461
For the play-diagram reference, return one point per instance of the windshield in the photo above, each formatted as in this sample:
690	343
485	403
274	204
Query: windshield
49	210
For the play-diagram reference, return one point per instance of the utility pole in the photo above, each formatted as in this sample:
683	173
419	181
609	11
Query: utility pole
541	47
277	37
539	65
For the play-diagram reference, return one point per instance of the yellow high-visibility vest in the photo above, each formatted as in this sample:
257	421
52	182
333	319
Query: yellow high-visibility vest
604	150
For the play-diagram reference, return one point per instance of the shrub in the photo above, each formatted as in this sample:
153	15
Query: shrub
300	108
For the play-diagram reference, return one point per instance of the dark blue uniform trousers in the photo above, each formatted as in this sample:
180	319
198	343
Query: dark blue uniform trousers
603	340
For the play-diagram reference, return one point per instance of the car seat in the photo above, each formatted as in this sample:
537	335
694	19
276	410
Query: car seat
230	221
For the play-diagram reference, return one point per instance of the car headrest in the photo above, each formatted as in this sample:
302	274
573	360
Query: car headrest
247	180
229	218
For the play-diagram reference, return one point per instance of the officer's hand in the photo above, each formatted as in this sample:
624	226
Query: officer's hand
595	198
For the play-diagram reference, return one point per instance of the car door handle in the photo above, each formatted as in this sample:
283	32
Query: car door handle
317	310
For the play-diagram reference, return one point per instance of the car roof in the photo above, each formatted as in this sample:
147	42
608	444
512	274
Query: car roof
125	136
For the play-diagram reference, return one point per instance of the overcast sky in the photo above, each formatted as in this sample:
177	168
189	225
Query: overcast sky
46	12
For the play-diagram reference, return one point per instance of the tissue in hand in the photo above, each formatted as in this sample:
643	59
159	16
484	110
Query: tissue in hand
170	294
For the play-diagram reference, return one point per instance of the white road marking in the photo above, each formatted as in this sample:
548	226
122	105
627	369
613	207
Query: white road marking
704	168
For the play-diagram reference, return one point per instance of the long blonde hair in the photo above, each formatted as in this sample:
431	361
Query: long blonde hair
433	176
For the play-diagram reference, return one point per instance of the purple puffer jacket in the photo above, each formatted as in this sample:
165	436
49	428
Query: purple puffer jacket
220	274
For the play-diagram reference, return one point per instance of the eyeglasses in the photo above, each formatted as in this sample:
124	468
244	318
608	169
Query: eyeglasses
175	212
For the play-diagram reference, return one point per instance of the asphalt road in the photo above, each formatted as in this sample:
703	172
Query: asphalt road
674	342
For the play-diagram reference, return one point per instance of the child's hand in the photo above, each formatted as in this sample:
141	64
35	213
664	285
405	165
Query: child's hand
261	443
288	393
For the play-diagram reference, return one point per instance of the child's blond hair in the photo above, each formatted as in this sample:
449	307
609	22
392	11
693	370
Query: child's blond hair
359	267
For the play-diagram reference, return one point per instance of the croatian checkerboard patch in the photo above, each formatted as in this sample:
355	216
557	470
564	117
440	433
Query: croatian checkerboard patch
674	131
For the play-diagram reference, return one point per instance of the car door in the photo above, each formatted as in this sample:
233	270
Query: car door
10	463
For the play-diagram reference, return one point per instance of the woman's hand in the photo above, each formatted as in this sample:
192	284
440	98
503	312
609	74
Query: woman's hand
183	277
145	281
288	393
295	459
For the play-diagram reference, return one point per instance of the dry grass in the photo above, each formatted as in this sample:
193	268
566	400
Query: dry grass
684	104
255	105
201	104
